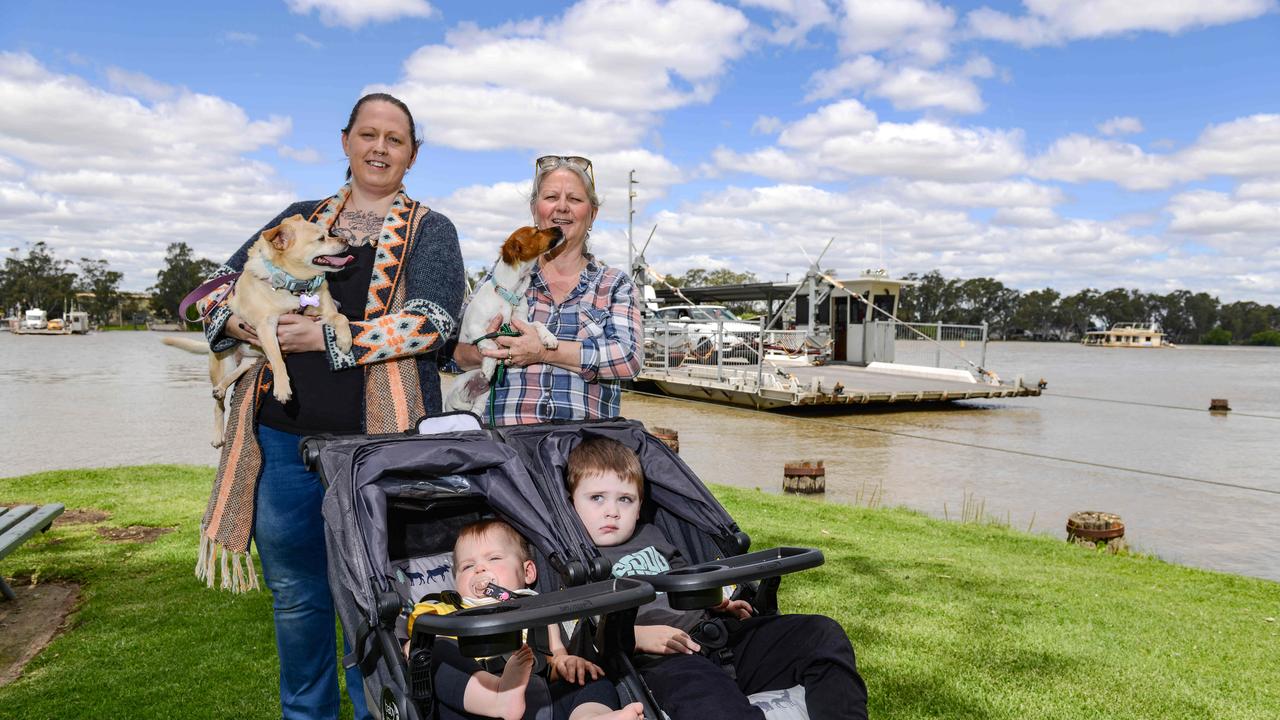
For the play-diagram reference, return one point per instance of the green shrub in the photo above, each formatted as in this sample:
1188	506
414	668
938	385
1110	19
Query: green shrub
1218	336
1266	337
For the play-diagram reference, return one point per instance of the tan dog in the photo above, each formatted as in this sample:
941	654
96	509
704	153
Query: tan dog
500	293
283	274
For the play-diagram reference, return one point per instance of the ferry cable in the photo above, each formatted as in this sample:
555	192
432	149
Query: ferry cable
976	446
1234	413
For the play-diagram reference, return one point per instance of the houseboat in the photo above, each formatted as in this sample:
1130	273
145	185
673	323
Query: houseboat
1128	335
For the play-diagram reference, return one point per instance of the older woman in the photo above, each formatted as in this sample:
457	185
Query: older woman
401	295
589	306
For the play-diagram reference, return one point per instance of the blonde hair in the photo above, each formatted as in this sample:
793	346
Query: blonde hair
508	534
600	454
587	183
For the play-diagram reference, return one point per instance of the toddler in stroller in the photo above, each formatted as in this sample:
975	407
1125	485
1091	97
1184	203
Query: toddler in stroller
491	562
700	654
393	509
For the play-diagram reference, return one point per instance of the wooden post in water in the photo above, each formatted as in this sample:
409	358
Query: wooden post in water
1094	528
669	437
804	476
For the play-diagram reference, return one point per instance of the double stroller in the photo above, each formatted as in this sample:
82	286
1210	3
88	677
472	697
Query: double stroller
395	504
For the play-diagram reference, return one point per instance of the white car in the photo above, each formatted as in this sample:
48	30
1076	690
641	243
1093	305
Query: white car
699	326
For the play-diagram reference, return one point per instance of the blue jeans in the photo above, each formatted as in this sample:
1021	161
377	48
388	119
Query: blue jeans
289	532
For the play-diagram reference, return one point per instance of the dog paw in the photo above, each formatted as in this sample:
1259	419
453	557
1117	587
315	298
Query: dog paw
342	333
219	393
282	390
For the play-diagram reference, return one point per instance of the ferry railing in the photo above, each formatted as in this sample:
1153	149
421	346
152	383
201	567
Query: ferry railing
730	356
966	341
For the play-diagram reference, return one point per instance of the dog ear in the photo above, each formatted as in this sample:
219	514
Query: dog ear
514	249
281	236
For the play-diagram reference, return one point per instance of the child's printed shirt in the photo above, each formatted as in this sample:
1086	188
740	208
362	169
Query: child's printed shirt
648	553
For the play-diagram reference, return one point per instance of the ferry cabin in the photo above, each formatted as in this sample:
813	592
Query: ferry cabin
855	315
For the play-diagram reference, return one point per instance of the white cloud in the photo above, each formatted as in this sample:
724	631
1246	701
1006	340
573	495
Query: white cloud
486	214
1120	126
1264	189
913	88
907	87
1244	147
794	19
10	169
355	13
1234	224
844	139
138	84
240	38
1026	217
766	125
307	155
916	28
105	175
1077	158
308	41
1054	22
1009	194
849	76
592	79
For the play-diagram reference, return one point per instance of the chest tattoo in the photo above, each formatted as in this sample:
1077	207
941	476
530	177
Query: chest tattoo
358	227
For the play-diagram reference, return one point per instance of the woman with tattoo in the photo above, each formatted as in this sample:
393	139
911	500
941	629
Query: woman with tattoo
401	291
589	306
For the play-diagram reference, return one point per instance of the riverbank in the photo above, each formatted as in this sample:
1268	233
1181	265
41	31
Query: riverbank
949	620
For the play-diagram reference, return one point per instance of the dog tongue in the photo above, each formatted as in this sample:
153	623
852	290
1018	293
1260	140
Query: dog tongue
334	260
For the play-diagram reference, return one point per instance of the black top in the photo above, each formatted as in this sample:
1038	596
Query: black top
325	400
648	552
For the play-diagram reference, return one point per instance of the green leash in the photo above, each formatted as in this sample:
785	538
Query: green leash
505	331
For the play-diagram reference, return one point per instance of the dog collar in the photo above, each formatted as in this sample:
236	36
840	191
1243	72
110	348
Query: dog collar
281	280
507	295
512	299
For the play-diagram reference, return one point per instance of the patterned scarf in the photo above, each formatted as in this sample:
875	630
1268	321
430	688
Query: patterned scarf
393	399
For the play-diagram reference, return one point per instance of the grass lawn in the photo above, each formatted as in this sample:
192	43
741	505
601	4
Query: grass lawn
949	620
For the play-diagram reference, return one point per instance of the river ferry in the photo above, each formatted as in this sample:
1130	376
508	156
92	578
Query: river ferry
837	348
1128	335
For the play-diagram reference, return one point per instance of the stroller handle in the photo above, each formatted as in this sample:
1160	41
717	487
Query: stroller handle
496	628
699	586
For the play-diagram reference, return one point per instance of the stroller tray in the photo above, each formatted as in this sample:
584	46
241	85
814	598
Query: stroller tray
699	586
493	629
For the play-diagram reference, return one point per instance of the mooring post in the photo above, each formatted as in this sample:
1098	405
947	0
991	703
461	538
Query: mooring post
1095	528
804	476
668	436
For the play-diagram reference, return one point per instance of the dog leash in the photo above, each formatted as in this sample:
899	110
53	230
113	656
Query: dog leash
202	291
501	373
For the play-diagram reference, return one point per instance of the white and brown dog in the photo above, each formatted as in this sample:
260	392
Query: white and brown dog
283	274
501	293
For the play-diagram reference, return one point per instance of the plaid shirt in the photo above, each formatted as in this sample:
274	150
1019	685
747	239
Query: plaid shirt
602	314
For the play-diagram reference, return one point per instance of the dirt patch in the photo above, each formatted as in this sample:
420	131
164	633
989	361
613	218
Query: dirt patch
133	533
82	516
30	622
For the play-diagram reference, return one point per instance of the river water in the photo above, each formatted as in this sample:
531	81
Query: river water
1125	431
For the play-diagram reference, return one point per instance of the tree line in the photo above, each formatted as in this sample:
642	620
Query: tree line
1186	316
40	279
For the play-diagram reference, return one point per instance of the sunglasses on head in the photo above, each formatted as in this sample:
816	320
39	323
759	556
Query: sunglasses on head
547	163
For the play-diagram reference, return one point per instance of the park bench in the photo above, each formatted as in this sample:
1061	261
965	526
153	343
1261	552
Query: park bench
17	525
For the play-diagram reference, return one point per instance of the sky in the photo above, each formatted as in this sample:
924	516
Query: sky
1047	143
